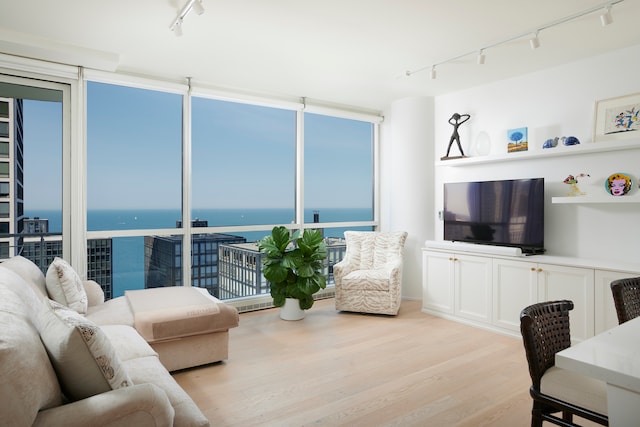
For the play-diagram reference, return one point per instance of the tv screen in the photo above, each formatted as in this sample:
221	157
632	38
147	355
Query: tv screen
503	213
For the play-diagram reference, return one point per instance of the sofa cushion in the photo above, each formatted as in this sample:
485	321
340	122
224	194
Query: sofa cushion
65	286
28	382
81	354
150	370
30	272
115	311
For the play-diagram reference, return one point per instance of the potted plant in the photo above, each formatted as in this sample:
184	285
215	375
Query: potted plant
294	266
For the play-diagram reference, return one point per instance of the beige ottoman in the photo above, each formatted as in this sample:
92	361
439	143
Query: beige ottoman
185	325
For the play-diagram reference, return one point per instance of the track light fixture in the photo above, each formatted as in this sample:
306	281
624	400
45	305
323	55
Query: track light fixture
176	24
606	18
534	41
481	58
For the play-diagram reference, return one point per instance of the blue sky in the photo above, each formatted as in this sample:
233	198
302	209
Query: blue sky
243	156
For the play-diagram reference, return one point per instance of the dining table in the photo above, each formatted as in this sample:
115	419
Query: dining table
612	356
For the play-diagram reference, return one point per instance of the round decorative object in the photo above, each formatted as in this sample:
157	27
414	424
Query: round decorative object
550	143
483	144
618	184
570	140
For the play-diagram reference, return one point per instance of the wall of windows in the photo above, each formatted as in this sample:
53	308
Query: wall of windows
160	173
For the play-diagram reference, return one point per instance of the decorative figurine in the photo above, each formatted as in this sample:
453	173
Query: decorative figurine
573	182
570	140
551	143
456	120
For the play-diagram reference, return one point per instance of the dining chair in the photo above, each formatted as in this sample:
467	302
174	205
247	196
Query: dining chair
545	331
626	297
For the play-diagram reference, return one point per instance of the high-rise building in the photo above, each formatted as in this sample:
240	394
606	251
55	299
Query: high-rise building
11	176
163	260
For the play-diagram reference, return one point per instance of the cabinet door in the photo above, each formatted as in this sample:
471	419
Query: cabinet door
605	314
576	284
437	281
515	286
473	287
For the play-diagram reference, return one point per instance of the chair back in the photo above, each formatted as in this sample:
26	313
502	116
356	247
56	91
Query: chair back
626	297
545	331
369	250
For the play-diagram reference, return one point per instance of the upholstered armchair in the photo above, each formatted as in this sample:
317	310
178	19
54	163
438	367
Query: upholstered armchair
369	278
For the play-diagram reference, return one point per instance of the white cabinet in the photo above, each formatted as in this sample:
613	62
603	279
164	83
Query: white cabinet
472	287
457	284
556	282
515	286
491	290
437	281
605	310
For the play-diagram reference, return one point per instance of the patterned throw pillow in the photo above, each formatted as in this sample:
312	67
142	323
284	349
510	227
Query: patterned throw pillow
65	286
81	354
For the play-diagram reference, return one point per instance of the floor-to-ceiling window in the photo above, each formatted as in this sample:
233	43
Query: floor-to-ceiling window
31	168
134	185
243	165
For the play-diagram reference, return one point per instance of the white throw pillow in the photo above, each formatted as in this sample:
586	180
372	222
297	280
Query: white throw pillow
65	286
81	354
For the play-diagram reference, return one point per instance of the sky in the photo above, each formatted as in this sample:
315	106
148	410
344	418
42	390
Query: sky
243	156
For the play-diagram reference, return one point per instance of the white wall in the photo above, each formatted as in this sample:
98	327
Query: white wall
407	182
553	102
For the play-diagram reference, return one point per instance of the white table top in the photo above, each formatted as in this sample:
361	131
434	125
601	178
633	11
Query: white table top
612	356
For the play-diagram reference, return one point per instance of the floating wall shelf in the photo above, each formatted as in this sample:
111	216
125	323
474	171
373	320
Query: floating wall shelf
559	151
595	199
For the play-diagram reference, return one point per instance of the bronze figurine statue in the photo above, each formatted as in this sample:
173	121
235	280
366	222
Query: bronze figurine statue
456	120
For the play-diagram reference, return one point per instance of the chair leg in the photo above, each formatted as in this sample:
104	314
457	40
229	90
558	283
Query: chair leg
536	415
567	416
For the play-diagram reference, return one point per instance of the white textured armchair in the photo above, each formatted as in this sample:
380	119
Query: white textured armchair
369	278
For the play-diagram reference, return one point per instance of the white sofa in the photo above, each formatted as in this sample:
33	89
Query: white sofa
60	369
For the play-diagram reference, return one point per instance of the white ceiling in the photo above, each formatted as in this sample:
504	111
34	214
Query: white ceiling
350	52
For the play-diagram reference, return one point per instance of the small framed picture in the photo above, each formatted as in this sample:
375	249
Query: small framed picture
617	118
517	140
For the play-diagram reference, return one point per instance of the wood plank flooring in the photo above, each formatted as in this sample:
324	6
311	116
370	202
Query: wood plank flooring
345	369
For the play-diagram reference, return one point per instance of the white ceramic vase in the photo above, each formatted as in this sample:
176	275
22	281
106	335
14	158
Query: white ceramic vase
291	310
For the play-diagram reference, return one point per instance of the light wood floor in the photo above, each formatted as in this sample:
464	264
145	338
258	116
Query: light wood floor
335	368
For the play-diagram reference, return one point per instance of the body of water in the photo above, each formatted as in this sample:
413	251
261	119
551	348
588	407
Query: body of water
128	252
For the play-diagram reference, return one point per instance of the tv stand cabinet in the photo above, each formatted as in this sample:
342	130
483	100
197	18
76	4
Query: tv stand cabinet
490	290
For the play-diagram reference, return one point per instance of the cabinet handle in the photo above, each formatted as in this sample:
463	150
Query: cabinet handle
539	270
455	259
533	269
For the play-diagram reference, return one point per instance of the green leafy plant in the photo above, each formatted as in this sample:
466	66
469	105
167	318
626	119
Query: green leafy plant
294	265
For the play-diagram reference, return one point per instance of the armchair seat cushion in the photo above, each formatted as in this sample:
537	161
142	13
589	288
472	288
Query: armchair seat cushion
370	280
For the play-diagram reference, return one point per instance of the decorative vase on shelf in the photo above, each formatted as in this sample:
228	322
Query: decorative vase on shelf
291	310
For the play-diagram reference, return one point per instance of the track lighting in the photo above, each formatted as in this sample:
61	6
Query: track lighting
534	41
481	57
605	18
195	5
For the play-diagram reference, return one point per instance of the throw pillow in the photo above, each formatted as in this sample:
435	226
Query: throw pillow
65	286
81	354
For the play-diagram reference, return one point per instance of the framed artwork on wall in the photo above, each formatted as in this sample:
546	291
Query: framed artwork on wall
617	118
518	140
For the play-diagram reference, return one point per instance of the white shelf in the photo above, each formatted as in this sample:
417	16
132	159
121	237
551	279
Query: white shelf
559	151
596	199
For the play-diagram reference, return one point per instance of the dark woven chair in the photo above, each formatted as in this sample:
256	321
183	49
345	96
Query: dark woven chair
545	331
626	297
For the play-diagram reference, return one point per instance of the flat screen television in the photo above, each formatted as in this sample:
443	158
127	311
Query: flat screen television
503	213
